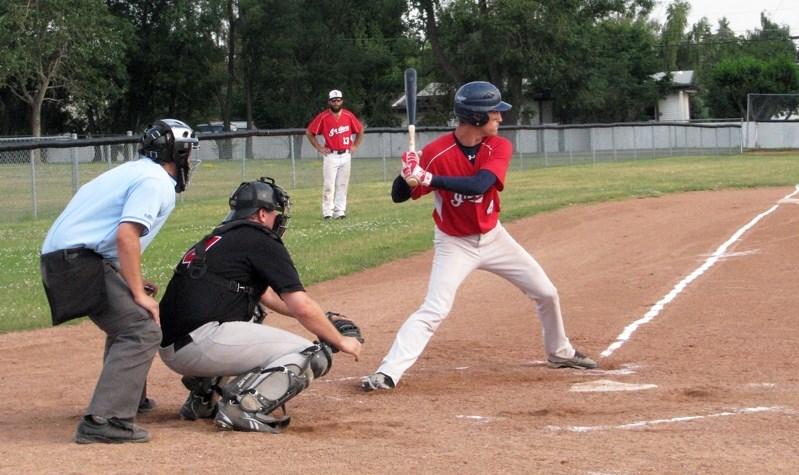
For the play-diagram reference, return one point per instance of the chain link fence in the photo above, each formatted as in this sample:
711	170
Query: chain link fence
39	176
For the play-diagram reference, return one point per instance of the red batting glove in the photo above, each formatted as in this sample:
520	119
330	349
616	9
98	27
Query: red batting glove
410	158
417	172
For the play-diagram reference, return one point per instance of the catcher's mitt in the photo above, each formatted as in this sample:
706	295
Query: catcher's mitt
345	326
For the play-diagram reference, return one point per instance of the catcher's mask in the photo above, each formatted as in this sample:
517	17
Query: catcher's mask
474	100
251	196
171	141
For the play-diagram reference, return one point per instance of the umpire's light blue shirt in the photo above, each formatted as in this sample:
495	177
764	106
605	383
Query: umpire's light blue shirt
140	192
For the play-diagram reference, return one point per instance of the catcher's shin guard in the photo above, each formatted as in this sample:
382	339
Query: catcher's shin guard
262	390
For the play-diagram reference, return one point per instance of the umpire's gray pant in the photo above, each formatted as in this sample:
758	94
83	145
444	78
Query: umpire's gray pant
132	339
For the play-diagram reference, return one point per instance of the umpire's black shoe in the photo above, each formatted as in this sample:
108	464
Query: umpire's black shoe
147	405
94	429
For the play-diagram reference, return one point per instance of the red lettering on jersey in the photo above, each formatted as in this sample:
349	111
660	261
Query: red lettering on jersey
189	256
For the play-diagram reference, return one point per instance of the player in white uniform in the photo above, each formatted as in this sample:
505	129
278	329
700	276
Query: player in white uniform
337	125
466	171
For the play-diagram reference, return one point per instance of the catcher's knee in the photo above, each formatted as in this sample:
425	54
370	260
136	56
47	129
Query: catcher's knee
320	359
262	390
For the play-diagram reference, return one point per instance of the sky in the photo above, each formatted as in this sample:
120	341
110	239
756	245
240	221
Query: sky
743	15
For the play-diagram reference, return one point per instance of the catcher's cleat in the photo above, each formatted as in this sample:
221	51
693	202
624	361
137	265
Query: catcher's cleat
201	403
578	361
94	429
231	416
377	381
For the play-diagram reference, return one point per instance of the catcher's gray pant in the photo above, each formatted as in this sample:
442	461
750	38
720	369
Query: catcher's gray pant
455	258
233	348
132	338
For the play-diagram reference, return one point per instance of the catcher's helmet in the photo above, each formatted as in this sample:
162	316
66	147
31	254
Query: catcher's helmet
251	196
171	141
475	100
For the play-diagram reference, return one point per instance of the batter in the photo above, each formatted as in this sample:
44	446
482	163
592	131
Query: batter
465	170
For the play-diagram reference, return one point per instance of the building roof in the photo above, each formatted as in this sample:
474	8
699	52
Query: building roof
434	89
679	79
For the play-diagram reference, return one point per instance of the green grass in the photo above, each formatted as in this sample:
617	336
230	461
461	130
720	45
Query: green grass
376	230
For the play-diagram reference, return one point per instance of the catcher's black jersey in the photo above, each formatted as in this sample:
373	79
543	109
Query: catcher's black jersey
243	254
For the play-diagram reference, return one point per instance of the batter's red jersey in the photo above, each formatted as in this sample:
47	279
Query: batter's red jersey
336	131
455	213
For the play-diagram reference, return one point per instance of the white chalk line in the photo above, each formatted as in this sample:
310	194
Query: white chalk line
655	422
715	257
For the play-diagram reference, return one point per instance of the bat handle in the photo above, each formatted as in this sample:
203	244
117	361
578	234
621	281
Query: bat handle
412	138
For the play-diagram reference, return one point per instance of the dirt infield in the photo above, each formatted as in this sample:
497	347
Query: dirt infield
696	373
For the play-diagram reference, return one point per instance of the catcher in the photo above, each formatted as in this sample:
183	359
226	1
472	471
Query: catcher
211	316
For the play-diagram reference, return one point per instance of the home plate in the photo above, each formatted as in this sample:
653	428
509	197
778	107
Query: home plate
606	385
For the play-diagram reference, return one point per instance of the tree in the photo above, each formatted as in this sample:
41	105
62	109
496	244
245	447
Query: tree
672	36
733	79
544	48
71	46
176	61
762	62
297	51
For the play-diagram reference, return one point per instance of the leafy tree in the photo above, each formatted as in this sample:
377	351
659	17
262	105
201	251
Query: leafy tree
296	51
672	36
176	61
60	50
733	79
761	62
545	48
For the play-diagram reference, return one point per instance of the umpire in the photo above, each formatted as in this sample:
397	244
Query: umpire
91	265
211	312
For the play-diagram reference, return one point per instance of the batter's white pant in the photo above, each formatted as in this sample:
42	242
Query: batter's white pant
456	258
336	176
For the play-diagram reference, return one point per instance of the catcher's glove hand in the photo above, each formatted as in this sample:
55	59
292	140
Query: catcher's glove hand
345	326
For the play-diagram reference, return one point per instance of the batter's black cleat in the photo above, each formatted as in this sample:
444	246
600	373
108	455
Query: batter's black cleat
377	381
578	361
94	429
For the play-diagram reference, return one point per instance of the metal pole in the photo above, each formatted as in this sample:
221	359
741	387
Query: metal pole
75	176
243	161
32	157
293	163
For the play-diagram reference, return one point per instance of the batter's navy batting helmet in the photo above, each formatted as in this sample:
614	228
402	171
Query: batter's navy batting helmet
171	141
475	100
251	196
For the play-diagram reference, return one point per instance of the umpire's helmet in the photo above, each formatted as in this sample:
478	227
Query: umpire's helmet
171	141
251	196
475	100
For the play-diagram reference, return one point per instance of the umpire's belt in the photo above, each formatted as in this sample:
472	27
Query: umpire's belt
181	342
66	254
340	152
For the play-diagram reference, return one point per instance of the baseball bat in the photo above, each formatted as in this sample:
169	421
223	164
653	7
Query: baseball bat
410	110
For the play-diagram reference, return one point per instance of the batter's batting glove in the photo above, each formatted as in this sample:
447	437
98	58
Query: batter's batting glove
411	157
417	172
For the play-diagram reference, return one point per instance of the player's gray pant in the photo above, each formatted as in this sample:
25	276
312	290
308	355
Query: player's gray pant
456	258
132	338
233	348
